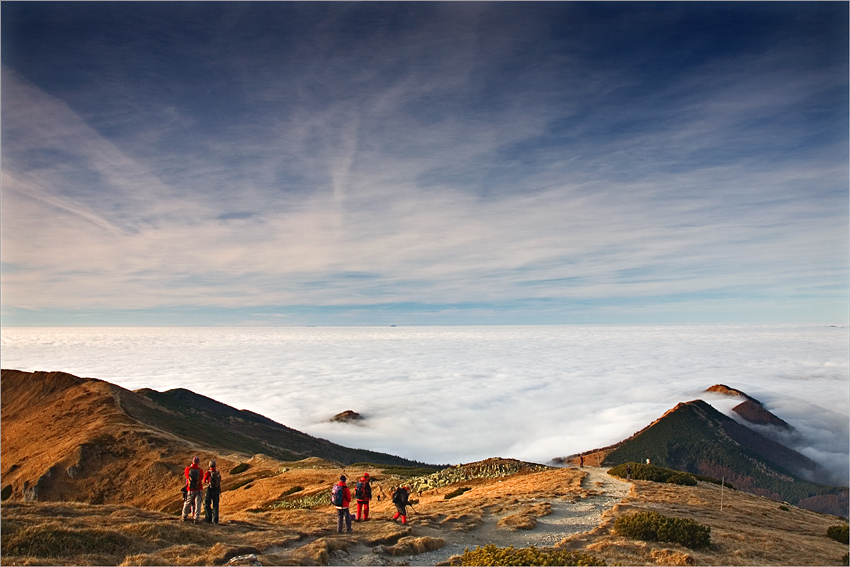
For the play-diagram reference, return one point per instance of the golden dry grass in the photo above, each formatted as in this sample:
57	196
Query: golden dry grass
749	531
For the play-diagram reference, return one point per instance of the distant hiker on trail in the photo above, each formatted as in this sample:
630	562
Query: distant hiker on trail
212	478
194	495
647	461
363	494
629	472
400	499
581	460
341	499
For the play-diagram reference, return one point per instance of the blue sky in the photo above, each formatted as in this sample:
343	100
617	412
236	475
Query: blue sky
416	163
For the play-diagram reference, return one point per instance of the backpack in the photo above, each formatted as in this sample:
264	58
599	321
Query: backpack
398	496
360	491
215	480
337	495
194	478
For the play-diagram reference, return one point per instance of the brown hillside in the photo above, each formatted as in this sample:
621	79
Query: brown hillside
68	439
756	413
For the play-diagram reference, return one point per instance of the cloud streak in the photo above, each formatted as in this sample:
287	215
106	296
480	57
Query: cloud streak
458	155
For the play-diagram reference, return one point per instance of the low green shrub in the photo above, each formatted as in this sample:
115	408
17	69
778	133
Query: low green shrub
641	471
652	526
322	498
682	478
840	533
456	492
239	484
492	555
241	467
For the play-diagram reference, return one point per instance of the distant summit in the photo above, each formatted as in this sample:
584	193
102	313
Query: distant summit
751	410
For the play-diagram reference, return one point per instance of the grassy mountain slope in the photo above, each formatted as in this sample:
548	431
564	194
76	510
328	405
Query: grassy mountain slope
695	437
66	438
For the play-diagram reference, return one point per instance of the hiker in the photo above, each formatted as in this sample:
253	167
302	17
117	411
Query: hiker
212	478
628	472
363	494
400	499
341	499
194	495
581	461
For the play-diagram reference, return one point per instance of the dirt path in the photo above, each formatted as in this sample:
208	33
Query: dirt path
571	514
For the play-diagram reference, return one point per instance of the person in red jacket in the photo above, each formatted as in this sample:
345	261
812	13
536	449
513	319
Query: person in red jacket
363	494
341	499
194	494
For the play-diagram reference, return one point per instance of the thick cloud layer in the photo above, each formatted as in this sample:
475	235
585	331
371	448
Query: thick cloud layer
457	394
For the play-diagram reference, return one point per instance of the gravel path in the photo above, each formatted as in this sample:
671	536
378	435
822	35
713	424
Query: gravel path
570	515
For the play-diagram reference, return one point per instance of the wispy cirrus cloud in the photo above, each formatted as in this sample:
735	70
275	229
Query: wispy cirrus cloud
458	156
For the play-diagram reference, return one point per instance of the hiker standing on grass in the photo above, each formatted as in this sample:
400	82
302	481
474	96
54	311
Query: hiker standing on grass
363	494
341	499
212	478
400	499
194	495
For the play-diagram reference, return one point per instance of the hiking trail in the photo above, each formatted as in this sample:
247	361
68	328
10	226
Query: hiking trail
571	514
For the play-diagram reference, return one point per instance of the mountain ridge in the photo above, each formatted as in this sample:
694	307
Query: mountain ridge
695	437
94	428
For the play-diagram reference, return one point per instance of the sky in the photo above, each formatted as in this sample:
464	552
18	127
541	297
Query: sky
436	163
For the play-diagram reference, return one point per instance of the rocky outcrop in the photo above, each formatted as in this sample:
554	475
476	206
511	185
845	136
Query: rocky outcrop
488	468
348	416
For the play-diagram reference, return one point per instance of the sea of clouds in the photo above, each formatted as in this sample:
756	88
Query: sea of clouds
459	394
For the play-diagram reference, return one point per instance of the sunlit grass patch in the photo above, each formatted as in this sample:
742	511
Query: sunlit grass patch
492	555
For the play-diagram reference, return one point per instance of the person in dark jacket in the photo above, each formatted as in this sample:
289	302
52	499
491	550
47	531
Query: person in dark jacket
401	500
342	513
212	478
363	494
194	494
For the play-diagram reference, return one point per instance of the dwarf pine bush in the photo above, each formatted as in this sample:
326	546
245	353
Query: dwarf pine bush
652	526
241	467
457	492
840	533
684	479
492	555
640	471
